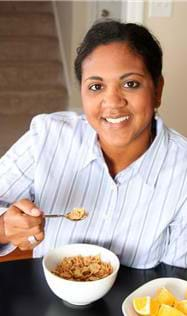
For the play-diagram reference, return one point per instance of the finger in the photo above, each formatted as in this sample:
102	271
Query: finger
24	230
22	241
40	236
37	231
26	245
28	207
37	240
15	218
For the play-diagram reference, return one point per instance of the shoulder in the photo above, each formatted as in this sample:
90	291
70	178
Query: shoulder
176	156
177	142
57	117
53	121
172	140
47	128
171	151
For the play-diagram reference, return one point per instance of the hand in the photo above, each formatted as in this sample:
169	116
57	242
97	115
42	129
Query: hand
21	220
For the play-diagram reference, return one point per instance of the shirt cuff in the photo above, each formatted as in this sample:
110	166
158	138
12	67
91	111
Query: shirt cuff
2	210
5	249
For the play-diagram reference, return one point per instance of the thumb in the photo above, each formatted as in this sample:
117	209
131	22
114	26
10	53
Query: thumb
29	208
34	211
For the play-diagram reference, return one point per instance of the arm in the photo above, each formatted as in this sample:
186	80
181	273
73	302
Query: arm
16	184
176	252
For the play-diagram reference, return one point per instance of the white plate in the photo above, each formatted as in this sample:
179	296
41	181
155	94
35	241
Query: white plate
177	286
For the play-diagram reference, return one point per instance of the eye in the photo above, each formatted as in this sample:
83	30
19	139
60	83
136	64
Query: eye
95	87
131	84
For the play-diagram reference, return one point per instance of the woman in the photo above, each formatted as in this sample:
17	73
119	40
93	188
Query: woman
119	160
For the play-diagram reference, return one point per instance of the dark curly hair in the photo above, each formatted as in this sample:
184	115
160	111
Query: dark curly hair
138	38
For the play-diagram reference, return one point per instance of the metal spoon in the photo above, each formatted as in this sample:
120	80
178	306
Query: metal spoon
76	214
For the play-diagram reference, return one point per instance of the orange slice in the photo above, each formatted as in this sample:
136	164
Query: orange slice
164	296
166	310
181	306
154	307
142	305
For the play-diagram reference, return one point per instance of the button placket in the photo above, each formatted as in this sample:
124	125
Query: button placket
108	214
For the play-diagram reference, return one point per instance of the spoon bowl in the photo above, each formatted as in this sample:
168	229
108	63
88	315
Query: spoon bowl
76	214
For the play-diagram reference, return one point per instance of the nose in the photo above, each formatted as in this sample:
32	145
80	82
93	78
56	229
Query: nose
114	98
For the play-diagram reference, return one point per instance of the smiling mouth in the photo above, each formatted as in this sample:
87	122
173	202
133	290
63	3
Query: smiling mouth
117	120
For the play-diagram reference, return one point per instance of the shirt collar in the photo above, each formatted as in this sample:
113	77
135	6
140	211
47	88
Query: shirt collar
90	147
150	163
147	166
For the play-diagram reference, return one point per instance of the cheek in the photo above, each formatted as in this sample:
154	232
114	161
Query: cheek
89	104
144	104
89	109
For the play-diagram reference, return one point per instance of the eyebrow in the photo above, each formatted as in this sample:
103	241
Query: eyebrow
130	74
122	77
94	78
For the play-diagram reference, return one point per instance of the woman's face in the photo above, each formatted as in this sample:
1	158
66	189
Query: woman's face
118	95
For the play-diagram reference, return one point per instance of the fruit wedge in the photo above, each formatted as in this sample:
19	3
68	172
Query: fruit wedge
181	306
164	296
154	307
142	305
166	310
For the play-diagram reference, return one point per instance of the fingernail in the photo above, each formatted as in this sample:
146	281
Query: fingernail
35	211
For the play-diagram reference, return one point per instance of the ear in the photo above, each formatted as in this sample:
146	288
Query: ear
158	92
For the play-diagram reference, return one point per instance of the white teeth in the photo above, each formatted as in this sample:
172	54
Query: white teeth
117	119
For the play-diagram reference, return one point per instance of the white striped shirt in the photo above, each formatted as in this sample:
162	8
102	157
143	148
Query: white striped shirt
141	214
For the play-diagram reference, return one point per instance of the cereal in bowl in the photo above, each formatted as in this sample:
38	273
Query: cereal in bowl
83	268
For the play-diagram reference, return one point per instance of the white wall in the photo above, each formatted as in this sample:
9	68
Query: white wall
171	31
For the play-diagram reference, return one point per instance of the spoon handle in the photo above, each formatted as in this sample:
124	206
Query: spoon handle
76	214
54	215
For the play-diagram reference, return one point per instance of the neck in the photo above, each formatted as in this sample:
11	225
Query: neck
117	159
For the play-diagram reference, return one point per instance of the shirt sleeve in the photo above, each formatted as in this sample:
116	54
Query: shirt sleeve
16	172
6	249
176	250
16	178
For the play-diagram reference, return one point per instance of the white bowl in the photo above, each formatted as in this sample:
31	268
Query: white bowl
79	292
177	286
